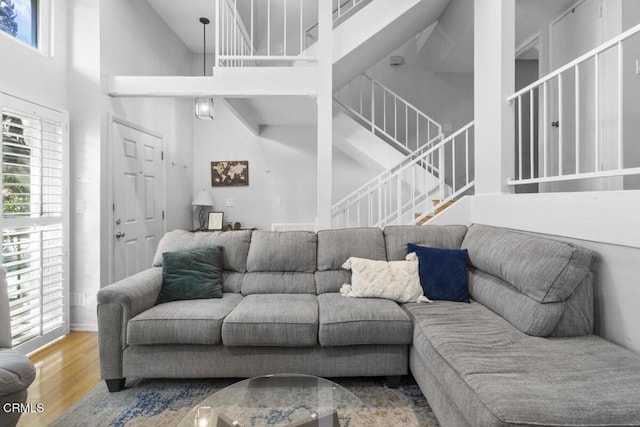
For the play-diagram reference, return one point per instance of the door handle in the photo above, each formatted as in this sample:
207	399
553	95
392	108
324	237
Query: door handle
555	124
119	234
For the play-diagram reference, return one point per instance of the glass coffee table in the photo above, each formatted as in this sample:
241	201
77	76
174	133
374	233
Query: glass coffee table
289	400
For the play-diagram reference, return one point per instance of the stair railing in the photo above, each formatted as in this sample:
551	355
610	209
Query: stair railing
343	10
281	38
386	114
345	7
582	106
405	193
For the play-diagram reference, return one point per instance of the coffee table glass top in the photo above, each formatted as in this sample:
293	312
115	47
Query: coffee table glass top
281	400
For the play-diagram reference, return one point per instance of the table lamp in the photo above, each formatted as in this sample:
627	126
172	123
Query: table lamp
204	200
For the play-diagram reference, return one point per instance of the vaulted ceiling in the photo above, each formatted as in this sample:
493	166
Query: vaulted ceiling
456	35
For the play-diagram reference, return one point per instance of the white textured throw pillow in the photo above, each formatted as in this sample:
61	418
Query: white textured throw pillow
394	280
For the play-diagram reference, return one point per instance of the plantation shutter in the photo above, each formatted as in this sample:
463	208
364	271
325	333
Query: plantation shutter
34	149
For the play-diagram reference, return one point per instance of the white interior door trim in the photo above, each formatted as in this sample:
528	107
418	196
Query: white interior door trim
114	119
532	41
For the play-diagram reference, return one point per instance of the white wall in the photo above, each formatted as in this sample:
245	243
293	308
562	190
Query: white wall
282	165
603	222
127	48
445	97
36	75
86	156
126	38
631	18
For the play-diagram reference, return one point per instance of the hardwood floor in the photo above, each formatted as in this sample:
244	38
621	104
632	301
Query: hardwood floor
66	370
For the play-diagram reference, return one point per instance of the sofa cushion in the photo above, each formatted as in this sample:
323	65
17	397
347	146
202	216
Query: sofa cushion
523	312
291	251
16	372
232	281
397	237
285	320
193	274
278	283
543	269
500	376
393	280
353	321
182	322
235	245
443	272
577	317
331	280
335	246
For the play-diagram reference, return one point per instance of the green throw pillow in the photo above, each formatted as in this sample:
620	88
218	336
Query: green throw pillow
195	274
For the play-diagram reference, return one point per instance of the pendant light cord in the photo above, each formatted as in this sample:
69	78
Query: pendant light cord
204	53
204	21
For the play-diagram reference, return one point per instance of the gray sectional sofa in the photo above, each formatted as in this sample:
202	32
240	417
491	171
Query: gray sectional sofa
521	353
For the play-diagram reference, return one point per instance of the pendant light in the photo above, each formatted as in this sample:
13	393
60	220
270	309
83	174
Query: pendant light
204	106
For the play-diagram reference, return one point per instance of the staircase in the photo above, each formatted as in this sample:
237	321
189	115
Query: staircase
439	207
421	166
421	185
387	115
418	186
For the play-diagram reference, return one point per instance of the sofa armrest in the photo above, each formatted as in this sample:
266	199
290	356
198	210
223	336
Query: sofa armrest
136	293
117	304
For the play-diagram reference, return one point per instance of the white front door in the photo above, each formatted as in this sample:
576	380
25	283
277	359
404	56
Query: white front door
138	179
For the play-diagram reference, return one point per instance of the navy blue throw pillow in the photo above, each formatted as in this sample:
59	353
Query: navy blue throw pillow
194	274
443	272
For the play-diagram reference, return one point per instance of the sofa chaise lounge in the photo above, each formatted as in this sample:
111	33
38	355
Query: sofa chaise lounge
521	353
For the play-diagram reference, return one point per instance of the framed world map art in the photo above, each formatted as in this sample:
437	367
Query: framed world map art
229	173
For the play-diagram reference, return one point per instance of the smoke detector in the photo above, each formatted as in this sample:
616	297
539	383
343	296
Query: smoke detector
396	60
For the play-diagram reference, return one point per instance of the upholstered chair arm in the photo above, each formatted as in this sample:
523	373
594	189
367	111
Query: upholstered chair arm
117	304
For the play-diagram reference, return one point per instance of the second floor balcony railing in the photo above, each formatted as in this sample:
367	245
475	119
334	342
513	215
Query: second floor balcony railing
254	33
579	122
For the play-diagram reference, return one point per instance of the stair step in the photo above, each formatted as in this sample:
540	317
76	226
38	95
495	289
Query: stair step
423	220
438	210
436	202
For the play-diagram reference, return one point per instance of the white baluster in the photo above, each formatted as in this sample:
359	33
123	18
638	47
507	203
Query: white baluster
620	104
268	27
578	117
561	120
217	52
520	137
466	155
597	116
373	107
531	132
545	128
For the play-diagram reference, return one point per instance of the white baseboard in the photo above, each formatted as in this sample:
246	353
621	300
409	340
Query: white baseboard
83	327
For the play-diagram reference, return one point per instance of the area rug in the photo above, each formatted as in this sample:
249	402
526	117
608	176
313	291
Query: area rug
165	402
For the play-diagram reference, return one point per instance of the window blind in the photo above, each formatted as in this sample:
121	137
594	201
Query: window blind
33	224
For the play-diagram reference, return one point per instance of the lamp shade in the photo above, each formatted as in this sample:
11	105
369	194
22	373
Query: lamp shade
203	198
204	108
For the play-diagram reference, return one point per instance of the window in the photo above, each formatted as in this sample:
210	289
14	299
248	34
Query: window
19	18
33	218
